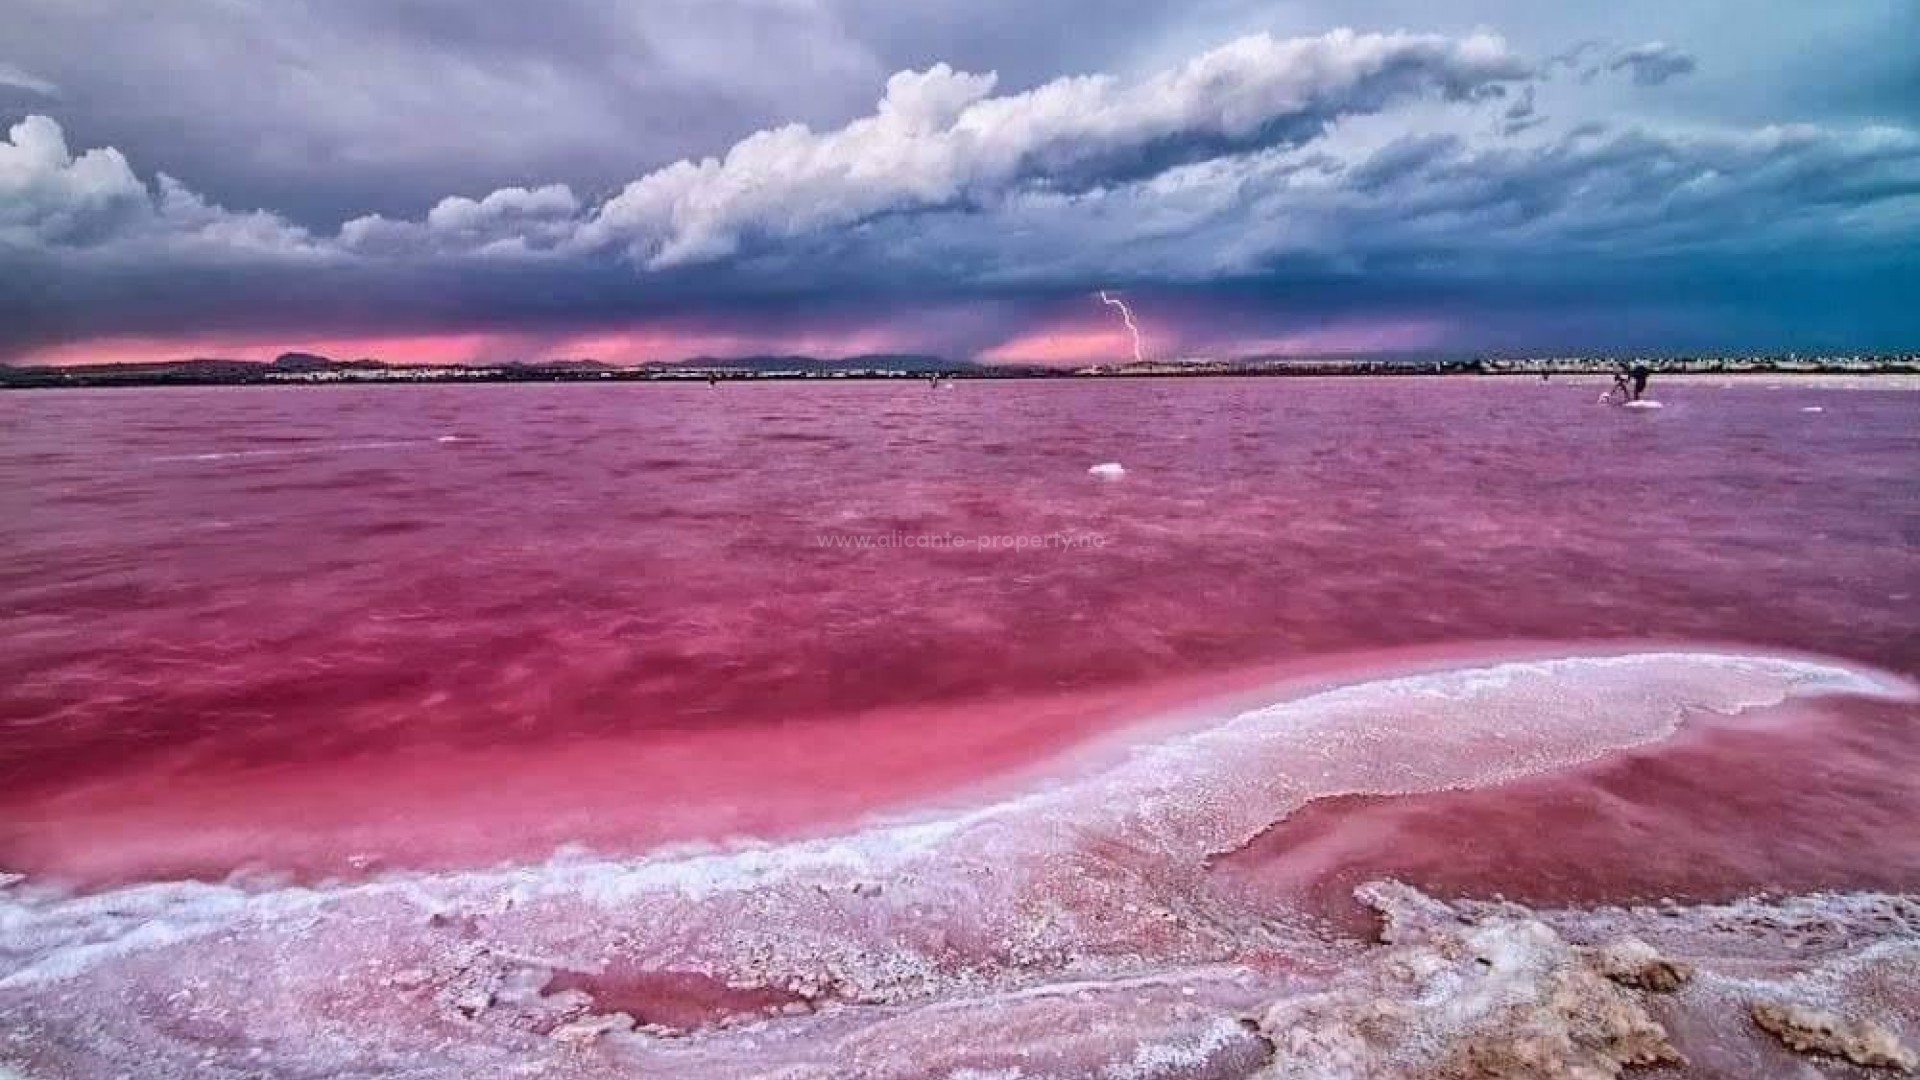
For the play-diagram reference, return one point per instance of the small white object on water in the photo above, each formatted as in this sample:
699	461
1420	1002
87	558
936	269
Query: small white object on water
1108	470
1643	403
1812	408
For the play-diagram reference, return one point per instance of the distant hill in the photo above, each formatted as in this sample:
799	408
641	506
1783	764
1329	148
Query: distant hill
311	362
298	366
193	370
305	366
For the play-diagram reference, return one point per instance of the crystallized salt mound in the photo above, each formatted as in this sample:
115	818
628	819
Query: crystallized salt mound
1479	991
1458	991
1862	1042
1503	996
1632	962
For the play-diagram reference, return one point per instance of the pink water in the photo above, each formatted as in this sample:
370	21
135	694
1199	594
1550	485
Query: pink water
334	634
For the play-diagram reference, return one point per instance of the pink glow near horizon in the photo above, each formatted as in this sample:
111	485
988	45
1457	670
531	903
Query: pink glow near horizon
411	349
1064	345
643	344
1085	339
632	345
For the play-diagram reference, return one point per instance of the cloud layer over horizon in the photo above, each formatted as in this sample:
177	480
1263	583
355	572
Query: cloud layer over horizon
1337	191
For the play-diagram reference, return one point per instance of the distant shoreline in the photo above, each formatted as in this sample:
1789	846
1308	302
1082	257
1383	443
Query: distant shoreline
1880	380
319	371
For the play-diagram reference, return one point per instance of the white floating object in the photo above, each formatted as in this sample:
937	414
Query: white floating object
1108	470
1813	408
1643	405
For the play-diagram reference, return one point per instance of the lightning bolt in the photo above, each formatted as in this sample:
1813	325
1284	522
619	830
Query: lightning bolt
1139	346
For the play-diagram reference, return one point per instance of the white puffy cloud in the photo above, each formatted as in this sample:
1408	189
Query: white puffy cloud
51	198
940	137
49	195
510	221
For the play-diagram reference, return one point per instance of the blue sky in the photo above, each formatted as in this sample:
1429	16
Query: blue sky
426	180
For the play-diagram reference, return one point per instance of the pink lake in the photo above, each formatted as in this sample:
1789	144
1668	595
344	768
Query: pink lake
333	639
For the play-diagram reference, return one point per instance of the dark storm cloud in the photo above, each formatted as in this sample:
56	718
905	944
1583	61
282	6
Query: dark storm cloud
115	298
1442	202
328	110
1427	226
1653	63
937	138
1523	115
20	81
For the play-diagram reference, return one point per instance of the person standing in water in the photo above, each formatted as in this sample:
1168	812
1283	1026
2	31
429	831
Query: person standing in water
1621	391
1639	374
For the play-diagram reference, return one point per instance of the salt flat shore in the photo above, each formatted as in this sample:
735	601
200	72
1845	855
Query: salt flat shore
1811	381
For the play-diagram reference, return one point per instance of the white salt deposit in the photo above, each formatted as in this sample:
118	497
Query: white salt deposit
1068	932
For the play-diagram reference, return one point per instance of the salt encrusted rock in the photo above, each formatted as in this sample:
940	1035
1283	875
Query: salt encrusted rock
409	979
590	1029
1498	997
1579	1028
472	1002
1632	962
1805	1029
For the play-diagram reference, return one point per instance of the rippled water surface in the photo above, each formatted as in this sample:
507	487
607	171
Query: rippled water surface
1485	636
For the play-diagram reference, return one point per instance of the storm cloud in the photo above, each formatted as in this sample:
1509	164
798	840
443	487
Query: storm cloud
1374	188
940	137
1653	63
14	78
